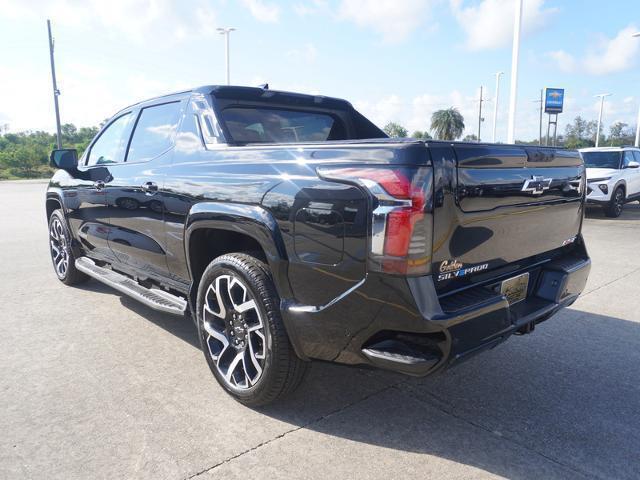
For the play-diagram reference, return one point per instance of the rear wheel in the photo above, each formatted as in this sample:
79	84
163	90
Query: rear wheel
241	331
61	253
616	204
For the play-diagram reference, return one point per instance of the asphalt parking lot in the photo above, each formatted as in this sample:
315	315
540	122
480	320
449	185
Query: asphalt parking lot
94	385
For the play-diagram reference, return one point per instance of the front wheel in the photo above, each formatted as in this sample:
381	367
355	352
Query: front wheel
241	331
61	253
616	204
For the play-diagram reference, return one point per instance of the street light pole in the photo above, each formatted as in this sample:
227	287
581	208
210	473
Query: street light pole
514	72
56	92
480	114
226	31
495	106
637	144
601	96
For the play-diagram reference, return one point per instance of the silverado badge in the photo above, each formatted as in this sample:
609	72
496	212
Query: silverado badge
536	185
454	269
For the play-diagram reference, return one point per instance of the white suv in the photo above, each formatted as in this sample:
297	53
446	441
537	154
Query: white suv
613	177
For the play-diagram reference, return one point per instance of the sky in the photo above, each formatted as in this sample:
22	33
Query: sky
395	60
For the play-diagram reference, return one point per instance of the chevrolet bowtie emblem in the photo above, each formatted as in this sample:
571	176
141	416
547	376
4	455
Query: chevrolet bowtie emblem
536	185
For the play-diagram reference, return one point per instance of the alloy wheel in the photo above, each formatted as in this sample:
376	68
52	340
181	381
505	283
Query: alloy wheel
619	201
235	332
59	247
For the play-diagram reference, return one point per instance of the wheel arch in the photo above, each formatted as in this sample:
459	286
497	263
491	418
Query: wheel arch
53	202
213	229
620	183
241	225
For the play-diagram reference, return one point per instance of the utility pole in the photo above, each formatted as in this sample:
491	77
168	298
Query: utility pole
517	21
495	106
226	31
480	114
56	92
637	144
601	96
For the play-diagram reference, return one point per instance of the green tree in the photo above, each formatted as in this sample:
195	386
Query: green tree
581	133
447	124
24	161
470	138
620	134
421	135
26	154
394	129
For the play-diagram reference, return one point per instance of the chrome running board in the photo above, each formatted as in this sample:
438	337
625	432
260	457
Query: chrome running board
151	297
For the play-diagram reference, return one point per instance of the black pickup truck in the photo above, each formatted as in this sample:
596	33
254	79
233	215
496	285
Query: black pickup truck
291	228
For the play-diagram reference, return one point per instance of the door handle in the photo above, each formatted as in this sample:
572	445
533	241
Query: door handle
149	188
98	184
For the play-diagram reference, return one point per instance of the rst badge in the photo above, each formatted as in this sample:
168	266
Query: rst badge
536	185
454	269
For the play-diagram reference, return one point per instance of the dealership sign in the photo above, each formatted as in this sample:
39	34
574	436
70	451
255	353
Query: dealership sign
553	100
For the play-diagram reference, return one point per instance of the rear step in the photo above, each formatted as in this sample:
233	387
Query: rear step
151	297
401	357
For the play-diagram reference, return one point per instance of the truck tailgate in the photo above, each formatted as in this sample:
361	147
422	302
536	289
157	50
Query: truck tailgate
509	204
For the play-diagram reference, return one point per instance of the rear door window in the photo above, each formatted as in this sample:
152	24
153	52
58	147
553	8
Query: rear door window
273	125
154	132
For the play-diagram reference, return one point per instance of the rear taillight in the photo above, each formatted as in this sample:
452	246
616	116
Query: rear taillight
400	230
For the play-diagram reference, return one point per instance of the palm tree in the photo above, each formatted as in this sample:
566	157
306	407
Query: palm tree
447	124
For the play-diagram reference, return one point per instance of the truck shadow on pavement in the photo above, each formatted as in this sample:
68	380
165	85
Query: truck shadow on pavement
562	402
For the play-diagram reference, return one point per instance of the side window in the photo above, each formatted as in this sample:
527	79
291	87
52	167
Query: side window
636	153
628	157
189	138
109	146
154	131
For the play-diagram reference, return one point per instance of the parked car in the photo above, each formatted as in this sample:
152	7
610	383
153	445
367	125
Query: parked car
613	177
291	228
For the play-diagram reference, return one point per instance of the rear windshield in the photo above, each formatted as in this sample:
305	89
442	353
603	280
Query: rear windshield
601	159
274	125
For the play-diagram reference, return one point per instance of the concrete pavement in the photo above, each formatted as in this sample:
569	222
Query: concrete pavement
94	385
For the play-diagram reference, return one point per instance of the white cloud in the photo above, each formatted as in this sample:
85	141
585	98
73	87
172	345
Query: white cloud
394	20
608	55
563	60
263	11
489	24
313	7
136	20
615	54
307	54
415	113
206	20
388	109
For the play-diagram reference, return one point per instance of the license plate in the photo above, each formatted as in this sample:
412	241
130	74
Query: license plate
515	289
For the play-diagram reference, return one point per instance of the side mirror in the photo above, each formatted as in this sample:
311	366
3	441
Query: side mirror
633	164
65	159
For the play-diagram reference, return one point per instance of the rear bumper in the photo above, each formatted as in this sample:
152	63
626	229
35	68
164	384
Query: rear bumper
478	327
401	324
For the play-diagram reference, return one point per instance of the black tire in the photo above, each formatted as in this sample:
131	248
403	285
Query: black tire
62	255
616	204
237	333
